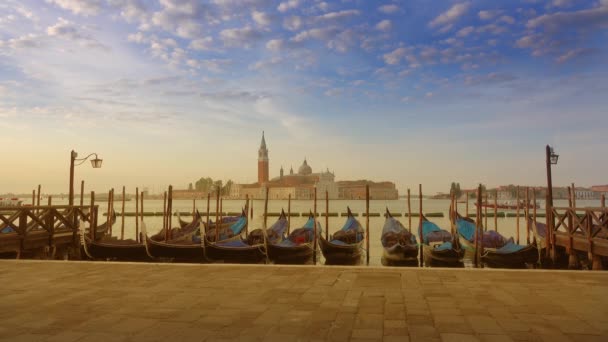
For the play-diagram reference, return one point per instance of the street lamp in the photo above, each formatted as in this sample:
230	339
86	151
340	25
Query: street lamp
551	160
95	163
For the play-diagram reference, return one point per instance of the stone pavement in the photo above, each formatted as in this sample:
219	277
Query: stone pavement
94	301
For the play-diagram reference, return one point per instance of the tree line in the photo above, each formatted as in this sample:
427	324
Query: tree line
207	184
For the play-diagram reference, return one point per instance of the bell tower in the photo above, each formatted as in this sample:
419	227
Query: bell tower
263	166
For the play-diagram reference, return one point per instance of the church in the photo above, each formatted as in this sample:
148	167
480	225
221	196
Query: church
301	185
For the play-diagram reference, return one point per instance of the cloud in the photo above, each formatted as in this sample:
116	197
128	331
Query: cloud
293	23
201	44
261	18
339	15
184	18
389	9
394	57
450	16
574	54
488	14
289	5
275	44
562	3
465	31
384	25
593	18
27	41
67	30
240	37
323	33
80	7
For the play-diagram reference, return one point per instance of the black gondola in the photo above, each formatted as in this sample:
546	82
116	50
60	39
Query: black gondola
345	246
438	245
400	246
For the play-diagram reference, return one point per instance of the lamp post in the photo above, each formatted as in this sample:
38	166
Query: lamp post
551	160
96	163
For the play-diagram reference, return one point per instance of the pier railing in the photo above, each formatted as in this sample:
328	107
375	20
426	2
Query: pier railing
35	228
581	230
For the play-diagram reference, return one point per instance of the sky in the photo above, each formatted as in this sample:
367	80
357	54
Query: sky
417	91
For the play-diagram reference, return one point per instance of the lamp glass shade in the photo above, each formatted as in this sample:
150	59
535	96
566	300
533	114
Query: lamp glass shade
554	158
96	163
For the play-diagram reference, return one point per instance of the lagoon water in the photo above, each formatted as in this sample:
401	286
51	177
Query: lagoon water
506	226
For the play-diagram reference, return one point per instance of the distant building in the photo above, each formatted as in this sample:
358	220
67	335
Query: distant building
585	193
301	185
356	190
600	190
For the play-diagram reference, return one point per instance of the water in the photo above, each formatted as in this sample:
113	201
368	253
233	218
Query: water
506	226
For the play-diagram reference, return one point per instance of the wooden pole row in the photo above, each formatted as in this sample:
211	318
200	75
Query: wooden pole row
420	224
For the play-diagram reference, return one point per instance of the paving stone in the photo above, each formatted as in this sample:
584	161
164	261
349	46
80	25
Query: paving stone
284	303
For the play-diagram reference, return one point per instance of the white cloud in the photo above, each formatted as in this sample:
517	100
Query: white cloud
333	16
562	3
68	30
488	14
201	43
288	5
575	53
463	32
275	44
389	9
261	18
240	37
83	7
316	33
394	57
384	25
451	15
293	23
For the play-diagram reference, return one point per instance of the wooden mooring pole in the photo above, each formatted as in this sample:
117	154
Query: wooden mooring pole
326	216
572	255
92	217
485	212
217	219
33	197
246	210
141	211
527	215
366	223
170	211
517	217
122	215
38	198
421	252
409	212
314	252
208	202
288	213
496	211
138	210
81	193
534	215
467	204
165	216
478	229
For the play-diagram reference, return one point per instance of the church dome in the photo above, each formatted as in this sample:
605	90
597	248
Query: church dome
305	169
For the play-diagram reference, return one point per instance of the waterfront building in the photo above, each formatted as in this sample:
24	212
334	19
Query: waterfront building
301	185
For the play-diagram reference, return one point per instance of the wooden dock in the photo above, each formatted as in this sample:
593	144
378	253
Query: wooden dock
95	301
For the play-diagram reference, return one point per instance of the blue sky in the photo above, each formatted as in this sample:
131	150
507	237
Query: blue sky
409	91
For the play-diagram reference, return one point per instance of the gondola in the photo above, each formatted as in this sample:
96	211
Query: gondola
102	229
182	223
187	233
344	247
438	245
498	250
181	250
400	246
297	247
232	229
233	248
114	249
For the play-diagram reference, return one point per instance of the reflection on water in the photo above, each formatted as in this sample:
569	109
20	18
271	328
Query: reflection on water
506	226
